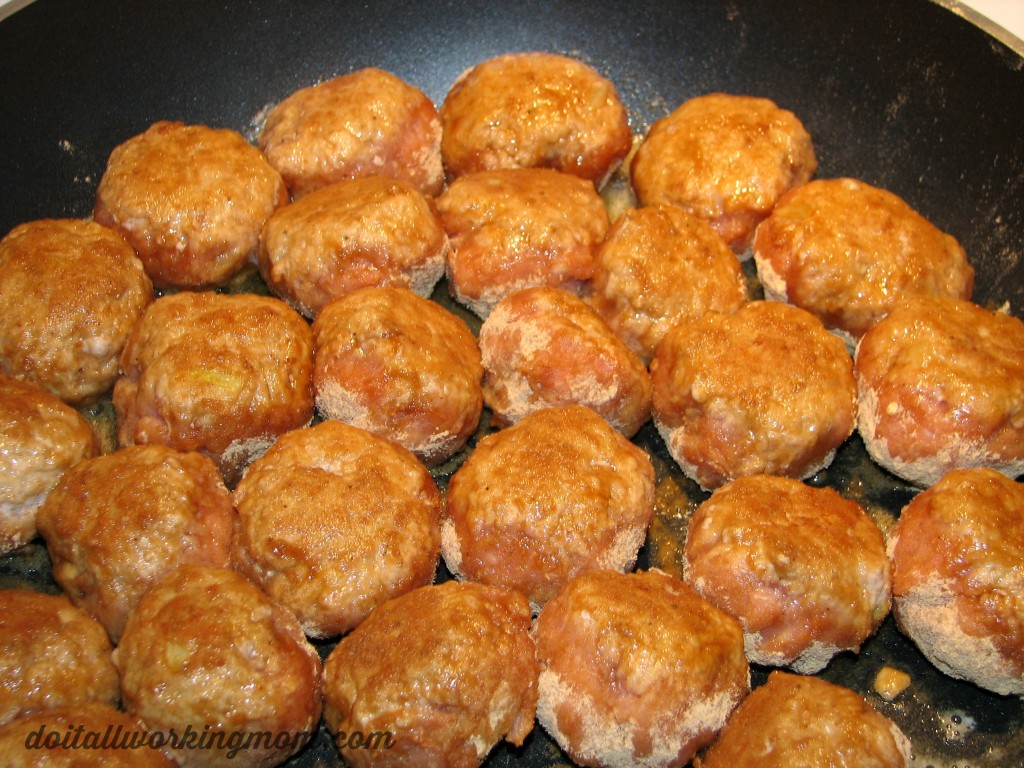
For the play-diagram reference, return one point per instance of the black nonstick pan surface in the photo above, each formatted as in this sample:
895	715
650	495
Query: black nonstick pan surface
904	95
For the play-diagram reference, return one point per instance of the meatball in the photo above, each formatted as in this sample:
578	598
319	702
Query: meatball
439	675
803	569
534	110
536	504
41	437
115	524
205	646
511	229
365	123
957	550
848	252
942	387
660	266
52	654
725	158
545	347
220	374
333	521
70	293
191	200
765	390
400	366
636	669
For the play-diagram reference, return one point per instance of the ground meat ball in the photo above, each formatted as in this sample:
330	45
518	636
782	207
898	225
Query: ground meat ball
545	347
660	266
365	123
52	654
205	646
400	366
765	390
115	524
803	569
536	504
957	551
70	292
443	673
191	200
942	387
727	159
511	229
534	110
636	670
220	374
848	252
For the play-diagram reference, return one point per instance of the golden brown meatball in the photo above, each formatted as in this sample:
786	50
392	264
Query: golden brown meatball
70	293
333	521
510	229
366	123
534	110
725	158
803	569
765	390
544	347
441	674
191	200
399	366
115	524
540	502
52	654
942	387
636	669
205	646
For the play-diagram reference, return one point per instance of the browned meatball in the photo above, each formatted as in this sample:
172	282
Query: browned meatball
725	158
534	110
511	229
636	669
540	502
366	123
191	200
765	390
545	347
205	646
70	293
441	674
220	374
115	524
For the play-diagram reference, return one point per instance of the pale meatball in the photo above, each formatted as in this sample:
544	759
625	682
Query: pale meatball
765	390
534	110
350	235
70	293
725	158
116	524
332	521
660	266
957	550
365	123
803	569
542	501
848	253
205	646
440	675
41	437
191	200
544	347
511	229
636	670
942	387
399	366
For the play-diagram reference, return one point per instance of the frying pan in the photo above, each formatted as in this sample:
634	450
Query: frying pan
904	95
